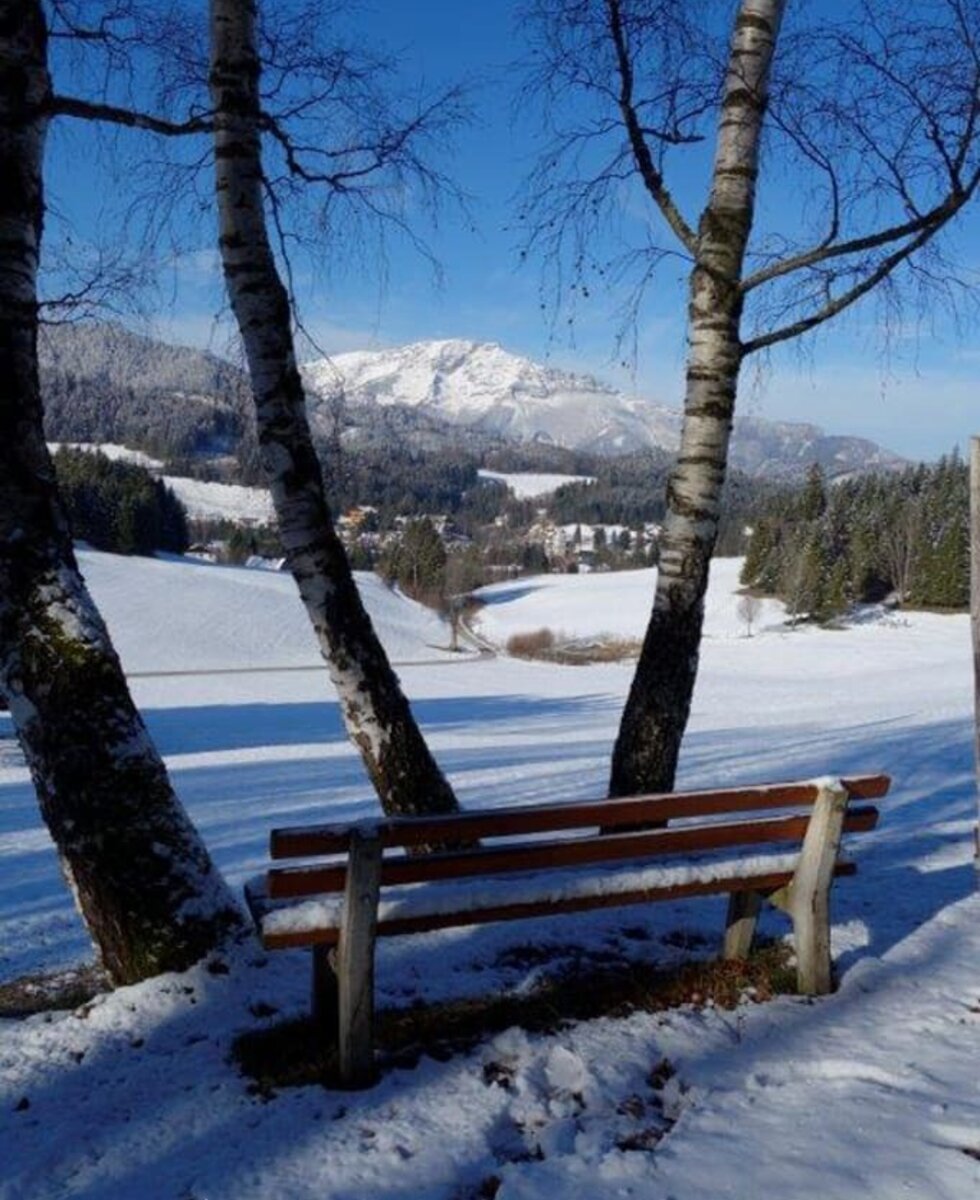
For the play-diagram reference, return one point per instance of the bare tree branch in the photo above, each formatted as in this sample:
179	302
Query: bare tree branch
932	220
90	110
845	300
652	179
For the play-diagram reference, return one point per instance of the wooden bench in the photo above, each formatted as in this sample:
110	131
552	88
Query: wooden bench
777	842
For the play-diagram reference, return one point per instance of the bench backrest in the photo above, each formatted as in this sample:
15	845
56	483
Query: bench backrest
625	825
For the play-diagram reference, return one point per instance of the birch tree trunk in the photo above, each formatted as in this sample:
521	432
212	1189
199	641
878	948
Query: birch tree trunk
659	703
376	712
975	622
140	875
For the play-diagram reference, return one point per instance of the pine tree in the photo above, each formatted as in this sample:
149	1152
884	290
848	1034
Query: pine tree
813	502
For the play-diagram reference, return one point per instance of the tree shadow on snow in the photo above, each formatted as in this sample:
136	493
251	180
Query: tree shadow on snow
919	859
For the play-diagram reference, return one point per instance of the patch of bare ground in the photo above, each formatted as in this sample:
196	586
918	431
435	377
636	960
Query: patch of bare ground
52	992
296	1053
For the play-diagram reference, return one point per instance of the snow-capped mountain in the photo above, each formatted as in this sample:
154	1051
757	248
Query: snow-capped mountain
484	388
103	383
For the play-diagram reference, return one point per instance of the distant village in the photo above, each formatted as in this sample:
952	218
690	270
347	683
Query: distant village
506	551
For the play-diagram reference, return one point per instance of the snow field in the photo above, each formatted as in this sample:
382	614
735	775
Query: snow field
528	485
205	500
613	604
872	1092
202	617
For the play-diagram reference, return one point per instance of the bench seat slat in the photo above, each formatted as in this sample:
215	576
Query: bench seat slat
457	828
290	882
284	934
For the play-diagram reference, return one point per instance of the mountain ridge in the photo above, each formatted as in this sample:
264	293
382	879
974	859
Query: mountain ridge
481	386
102	382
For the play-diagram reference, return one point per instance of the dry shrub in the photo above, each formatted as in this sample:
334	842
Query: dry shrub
604	648
573	652
539	644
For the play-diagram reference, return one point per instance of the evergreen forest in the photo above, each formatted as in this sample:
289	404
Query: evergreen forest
902	535
118	506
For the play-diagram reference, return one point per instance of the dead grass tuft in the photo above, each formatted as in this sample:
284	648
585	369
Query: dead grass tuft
549	646
538	644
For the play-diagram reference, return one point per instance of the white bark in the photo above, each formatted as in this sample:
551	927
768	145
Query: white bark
645	756
975	615
376	713
142	879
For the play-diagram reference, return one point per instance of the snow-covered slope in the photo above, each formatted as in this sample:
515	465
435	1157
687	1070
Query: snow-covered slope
616	604
206	500
869	1093
178	615
114	452
203	499
533	485
481	386
103	383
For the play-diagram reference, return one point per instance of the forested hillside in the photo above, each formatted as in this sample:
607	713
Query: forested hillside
102	383
904	535
118	506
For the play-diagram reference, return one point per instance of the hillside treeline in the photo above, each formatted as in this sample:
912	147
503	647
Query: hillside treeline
117	506
400	480
168	427
904	535
631	490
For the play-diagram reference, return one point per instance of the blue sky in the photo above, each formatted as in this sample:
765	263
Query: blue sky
912	387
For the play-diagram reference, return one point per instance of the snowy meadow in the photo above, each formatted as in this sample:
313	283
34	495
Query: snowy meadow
873	1091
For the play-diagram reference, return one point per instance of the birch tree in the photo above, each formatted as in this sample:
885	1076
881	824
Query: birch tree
141	876
376	711
975	625
875	107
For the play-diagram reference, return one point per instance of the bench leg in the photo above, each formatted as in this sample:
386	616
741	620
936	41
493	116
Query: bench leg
355	960
324	1002
811	932
807	899
743	915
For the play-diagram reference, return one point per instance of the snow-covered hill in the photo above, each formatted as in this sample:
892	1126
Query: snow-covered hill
533	485
206	500
613	605
485	388
177	615
203	499
103	383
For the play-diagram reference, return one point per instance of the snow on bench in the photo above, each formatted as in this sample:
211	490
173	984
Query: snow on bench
550	889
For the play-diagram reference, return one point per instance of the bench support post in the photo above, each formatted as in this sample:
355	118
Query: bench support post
807	898
324	993
743	915
355	960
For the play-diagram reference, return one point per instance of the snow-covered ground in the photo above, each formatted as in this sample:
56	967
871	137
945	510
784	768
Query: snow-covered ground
114	452
618	605
529	485
173	614
871	1092
222	501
